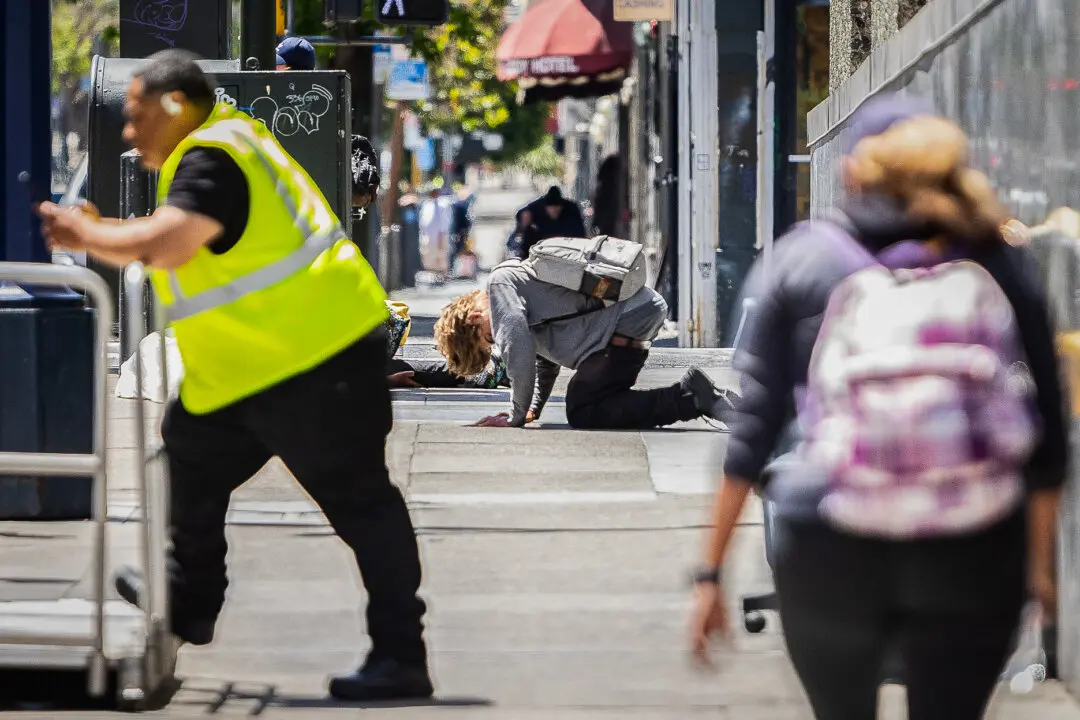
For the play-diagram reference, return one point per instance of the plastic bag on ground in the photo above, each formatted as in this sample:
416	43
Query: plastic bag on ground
150	352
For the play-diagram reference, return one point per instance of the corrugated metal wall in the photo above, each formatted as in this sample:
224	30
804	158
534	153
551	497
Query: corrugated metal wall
1009	72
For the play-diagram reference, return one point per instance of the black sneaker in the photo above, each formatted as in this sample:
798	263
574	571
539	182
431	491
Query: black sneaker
710	401
384	680
130	586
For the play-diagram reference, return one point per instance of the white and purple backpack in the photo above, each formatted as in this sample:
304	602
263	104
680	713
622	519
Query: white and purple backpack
918	407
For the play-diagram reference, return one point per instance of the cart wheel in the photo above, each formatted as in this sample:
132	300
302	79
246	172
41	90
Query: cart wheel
754	622
130	695
131	701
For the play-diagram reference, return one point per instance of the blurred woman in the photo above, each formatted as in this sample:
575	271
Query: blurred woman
949	602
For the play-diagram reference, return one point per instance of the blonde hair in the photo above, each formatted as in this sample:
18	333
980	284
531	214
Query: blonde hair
459	341
923	163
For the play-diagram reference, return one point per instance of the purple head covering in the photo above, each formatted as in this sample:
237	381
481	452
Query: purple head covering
881	112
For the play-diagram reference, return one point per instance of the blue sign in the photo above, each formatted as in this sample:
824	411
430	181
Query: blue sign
408	80
425	155
381	57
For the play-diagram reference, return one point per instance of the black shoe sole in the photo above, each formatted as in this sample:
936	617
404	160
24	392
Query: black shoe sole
379	694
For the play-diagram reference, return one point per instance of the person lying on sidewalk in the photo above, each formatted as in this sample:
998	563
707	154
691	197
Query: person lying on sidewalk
435	373
539	327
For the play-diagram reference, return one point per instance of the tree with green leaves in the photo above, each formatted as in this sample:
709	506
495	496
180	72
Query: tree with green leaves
79	27
466	94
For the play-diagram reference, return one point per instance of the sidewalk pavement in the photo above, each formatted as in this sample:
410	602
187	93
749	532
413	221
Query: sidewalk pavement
555	570
555	564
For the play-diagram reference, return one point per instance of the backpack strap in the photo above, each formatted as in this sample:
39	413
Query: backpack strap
568	316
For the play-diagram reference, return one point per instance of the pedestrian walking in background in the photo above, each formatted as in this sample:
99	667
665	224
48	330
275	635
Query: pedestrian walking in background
290	362
435	220
606	205
549	216
916	505
462	258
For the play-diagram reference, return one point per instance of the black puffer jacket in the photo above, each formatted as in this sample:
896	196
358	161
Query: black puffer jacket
774	352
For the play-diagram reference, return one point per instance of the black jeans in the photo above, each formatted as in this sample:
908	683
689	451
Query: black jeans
329	426
950	608
428	373
599	396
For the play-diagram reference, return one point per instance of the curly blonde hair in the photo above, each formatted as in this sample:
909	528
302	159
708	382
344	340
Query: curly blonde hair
923	163
458	341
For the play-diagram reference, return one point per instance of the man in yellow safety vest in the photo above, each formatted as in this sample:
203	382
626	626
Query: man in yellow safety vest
280	323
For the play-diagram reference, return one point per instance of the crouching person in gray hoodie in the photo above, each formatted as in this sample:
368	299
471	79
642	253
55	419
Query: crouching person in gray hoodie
540	328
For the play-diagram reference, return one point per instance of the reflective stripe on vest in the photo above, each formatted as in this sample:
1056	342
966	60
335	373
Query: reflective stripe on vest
315	244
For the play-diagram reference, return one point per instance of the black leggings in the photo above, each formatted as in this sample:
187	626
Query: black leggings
948	608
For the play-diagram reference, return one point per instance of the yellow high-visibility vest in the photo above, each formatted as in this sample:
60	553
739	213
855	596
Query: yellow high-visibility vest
290	294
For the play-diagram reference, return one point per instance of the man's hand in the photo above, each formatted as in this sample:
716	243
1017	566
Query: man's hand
403	379
501	420
90	209
64	227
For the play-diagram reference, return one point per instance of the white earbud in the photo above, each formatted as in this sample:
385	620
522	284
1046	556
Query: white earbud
171	106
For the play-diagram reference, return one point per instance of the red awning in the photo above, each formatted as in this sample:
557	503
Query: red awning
566	48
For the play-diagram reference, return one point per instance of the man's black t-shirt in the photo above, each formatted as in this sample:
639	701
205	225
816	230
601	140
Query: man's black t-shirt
209	182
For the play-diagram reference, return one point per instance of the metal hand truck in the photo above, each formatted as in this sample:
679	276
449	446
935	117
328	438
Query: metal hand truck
99	635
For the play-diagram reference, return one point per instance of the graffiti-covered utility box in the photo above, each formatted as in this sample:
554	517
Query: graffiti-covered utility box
309	112
201	26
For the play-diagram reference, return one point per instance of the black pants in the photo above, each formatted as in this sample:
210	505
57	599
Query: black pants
600	397
329	426
428	373
950	608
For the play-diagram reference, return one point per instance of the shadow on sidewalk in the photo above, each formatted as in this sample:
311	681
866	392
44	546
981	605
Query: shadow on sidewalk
212	696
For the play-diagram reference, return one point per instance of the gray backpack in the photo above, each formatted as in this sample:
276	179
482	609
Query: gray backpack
602	267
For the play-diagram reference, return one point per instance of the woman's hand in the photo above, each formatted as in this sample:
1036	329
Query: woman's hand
709	620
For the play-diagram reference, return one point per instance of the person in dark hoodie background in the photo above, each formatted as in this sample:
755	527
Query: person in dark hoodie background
606	205
950	605
549	216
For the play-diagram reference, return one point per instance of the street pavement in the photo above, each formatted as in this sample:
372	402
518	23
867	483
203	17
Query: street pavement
555	572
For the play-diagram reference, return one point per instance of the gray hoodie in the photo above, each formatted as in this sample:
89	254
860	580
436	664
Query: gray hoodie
534	347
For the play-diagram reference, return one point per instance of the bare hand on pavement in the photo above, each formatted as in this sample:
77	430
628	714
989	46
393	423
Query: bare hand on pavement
500	420
402	379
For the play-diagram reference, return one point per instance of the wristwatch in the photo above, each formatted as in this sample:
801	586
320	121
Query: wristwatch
706	576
